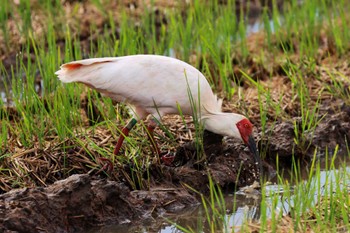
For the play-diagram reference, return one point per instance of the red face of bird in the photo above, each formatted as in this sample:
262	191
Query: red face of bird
245	128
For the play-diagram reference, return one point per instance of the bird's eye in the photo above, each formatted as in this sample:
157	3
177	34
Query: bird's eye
246	125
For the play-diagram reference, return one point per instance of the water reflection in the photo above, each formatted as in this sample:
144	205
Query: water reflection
240	207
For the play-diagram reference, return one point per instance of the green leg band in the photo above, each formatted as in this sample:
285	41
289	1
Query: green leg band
131	124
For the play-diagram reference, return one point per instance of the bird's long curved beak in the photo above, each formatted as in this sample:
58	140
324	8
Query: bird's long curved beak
252	147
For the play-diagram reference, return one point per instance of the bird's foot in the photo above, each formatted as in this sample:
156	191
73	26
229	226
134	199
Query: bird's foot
107	166
168	159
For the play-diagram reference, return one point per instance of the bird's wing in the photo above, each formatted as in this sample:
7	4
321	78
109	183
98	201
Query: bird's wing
143	80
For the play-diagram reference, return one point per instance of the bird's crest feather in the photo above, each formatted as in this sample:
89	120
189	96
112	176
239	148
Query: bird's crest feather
212	111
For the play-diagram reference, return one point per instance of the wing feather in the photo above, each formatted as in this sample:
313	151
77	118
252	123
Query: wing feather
144	81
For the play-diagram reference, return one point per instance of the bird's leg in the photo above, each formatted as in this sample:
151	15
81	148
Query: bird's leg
167	159
125	132
108	165
150	128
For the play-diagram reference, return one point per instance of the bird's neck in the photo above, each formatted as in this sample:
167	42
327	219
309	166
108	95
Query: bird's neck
222	123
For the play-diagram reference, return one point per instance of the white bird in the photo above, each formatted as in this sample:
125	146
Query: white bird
157	85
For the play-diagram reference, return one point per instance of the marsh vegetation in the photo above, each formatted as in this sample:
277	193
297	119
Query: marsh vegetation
284	64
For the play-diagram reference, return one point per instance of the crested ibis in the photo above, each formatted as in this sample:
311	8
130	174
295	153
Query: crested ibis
156	85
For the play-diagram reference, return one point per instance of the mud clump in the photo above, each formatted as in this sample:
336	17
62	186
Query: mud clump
332	130
81	201
280	141
224	162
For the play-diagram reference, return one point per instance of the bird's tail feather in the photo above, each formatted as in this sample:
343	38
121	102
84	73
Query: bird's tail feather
81	71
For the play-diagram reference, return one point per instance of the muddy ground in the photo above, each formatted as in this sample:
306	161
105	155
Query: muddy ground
84	201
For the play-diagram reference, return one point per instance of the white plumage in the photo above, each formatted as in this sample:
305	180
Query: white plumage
157	85
139	81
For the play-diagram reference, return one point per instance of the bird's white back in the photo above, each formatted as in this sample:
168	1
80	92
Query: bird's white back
152	84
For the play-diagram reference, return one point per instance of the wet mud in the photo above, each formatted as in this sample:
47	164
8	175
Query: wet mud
331	131
84	201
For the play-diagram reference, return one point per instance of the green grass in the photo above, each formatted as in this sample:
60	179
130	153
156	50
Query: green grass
311	198
317	202
208	35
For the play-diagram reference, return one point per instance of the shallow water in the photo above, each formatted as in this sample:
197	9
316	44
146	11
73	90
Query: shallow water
245	207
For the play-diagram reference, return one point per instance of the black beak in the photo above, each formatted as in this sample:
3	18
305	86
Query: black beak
255	152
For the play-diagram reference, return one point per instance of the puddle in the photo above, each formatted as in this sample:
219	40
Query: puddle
243	206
